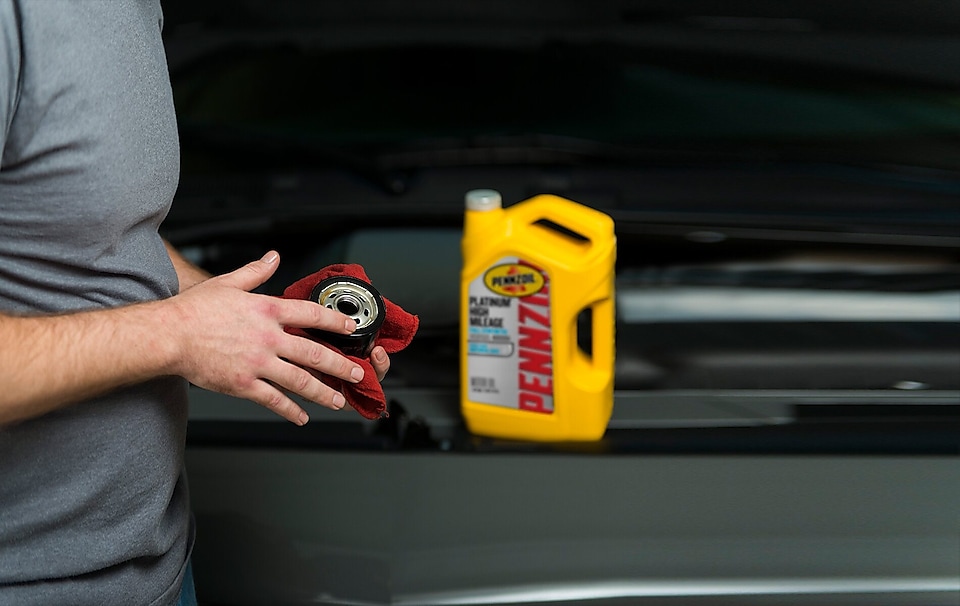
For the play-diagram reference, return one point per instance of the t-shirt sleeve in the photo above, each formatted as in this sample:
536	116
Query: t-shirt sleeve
9	66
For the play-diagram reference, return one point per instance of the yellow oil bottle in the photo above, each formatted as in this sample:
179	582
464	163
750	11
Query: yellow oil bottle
530	272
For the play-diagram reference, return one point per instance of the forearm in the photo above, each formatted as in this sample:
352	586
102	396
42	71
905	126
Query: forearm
187	273
49	362
215	333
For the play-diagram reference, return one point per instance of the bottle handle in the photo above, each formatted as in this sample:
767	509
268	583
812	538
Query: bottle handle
598	363
591	224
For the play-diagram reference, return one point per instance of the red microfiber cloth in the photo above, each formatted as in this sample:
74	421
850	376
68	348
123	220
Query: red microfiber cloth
395	333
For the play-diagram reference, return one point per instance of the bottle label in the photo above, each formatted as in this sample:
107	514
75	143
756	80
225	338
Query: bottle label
509	337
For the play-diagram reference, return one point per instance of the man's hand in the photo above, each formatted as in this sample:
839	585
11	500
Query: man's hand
216	333
233	341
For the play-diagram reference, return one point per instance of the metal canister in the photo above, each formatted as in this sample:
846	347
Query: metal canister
357	299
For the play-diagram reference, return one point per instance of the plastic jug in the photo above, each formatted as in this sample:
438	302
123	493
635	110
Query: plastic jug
530	272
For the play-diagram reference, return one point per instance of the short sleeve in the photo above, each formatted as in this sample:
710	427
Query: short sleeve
10	62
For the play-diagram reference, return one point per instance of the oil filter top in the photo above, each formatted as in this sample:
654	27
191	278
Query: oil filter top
359	300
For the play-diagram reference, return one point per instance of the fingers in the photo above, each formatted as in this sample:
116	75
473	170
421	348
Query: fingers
299	314
273	399
253	274
282	377
312	355
380	361
302	382
307	314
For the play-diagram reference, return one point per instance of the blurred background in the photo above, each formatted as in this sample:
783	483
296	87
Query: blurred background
784	181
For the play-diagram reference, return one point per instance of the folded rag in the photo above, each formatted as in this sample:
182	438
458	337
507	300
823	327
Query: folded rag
396	333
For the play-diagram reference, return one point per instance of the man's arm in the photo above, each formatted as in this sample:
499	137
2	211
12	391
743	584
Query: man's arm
216	334
51	361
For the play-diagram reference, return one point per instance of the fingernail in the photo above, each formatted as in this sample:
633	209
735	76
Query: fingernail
303	419
380	355
270	257
350	325
356	373
339	400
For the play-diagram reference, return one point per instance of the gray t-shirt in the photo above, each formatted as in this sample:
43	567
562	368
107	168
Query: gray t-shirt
93	500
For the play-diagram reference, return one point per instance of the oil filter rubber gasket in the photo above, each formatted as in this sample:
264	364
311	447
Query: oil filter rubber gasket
354	298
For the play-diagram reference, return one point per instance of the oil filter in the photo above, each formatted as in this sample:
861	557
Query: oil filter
357	299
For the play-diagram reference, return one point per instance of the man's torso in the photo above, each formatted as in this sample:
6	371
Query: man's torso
94	506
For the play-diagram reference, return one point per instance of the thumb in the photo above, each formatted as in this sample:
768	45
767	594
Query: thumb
253	274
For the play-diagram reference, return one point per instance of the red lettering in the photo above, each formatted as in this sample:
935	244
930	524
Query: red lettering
535	349
542	385
535	362
532	402
539	299
525	314
534	338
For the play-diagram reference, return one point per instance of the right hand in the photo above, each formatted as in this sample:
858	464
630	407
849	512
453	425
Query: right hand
233	342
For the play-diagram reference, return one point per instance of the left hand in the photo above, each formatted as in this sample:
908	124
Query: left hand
380	361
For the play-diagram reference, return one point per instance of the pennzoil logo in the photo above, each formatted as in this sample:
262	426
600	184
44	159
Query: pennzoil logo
513	280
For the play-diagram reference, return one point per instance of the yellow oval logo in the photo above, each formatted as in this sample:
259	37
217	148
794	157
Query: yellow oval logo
513	280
